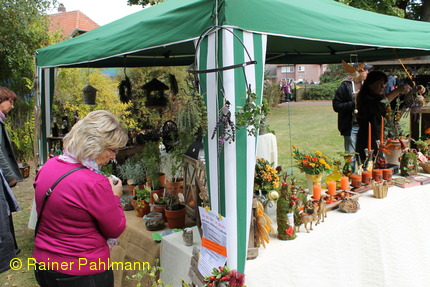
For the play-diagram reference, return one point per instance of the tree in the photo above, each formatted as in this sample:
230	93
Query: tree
23	29
143	3
68	96
409	9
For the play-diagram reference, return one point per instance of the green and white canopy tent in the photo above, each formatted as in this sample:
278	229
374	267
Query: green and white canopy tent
243	32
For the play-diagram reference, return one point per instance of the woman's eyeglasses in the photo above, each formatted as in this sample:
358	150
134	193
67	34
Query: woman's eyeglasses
114	151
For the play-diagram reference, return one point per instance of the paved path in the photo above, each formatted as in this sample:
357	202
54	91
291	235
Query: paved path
324	102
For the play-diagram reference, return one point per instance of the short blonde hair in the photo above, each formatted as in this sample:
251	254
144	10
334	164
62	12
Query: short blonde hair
90	136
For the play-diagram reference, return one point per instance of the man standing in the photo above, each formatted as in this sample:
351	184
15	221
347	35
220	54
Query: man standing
344	104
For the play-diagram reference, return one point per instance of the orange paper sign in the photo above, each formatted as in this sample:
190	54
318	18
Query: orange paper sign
215	247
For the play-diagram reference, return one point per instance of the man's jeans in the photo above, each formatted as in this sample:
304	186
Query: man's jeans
349	143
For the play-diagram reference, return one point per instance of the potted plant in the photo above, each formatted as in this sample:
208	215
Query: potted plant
151	161
141	201
133	171
159	205
175	210
175	185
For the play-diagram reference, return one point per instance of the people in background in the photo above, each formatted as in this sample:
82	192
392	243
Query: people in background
391	83
83	210
9	176
372	106
344	103
286	89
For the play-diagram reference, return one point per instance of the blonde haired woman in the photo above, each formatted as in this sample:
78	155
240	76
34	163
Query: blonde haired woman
83	210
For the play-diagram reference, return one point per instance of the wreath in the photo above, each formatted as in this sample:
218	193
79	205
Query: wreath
124	89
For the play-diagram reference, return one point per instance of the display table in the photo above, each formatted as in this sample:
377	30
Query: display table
267	148
135	245
386	243
176	257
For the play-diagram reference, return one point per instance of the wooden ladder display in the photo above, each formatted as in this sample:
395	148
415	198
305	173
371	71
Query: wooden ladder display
195	188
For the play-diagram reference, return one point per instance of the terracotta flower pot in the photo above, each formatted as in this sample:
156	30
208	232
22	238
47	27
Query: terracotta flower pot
174	187
176	218
161	178
142	210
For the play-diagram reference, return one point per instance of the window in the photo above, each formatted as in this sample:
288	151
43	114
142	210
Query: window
288	69
301	68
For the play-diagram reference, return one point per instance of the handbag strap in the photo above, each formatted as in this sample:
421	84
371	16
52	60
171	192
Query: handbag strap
48	193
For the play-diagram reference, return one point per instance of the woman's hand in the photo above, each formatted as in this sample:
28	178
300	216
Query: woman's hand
116	188
420	89
404	89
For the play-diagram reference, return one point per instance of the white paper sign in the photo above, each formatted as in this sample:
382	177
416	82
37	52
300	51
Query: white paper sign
213	253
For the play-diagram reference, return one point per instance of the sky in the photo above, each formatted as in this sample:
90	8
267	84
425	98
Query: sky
100	11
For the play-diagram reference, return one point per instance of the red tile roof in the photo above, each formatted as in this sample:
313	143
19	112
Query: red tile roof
68	22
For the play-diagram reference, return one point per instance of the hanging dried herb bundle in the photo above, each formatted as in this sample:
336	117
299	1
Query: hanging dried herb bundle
225	127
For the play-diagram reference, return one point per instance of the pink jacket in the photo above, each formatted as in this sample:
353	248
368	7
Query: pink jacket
80	215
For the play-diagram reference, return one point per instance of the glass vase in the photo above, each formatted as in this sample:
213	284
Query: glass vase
313	179
335	175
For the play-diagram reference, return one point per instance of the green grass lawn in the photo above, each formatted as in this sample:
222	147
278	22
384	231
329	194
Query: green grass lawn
309	126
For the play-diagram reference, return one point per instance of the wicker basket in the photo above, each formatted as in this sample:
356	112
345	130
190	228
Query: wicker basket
425	166
380	189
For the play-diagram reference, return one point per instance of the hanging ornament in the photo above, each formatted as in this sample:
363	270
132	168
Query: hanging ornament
89	95
226	125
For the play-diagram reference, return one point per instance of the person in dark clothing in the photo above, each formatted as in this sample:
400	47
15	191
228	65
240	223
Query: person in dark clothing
371	105
344	103
10	175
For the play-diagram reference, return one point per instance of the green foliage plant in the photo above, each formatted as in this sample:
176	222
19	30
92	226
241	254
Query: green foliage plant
148	277
175	202
133	170
143	193
152	162
323	91
272	94
251	115
192	116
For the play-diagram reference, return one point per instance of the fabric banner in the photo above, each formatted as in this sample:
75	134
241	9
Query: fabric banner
231	174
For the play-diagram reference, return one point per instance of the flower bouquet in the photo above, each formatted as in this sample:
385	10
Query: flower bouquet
266	177
224	277
311	163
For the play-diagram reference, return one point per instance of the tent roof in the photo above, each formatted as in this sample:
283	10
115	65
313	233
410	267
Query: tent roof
299	31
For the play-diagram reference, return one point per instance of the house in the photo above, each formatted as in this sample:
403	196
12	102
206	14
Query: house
300	73
71	23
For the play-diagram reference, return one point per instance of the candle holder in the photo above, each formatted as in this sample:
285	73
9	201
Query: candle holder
387	174
344	183
368	163
365	177
356	180
377	174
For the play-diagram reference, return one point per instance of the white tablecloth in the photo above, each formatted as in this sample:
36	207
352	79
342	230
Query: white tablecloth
175	257
267	148
386	243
